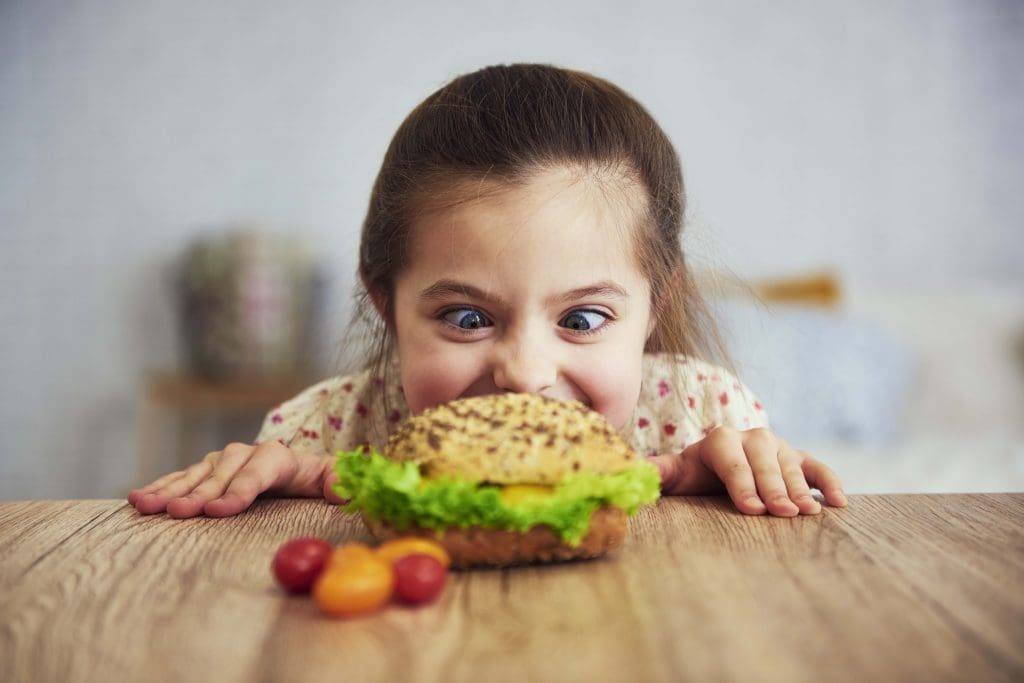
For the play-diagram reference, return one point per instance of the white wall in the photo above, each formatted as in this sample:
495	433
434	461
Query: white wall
879	138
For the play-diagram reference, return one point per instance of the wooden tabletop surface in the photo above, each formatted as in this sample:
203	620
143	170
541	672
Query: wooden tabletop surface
892	588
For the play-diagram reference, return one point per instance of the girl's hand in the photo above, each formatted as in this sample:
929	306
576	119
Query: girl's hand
759	470
226	482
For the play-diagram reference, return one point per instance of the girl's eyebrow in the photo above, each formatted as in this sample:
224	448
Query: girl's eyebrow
445	288
442	289
605	289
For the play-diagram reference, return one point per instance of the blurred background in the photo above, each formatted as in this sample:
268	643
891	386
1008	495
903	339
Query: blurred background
182	186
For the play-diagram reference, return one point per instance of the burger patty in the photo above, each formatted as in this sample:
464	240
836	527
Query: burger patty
478	546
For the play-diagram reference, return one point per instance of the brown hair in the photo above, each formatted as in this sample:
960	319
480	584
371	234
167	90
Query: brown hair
503	124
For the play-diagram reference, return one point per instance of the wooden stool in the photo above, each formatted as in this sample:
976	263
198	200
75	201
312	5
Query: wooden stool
191	399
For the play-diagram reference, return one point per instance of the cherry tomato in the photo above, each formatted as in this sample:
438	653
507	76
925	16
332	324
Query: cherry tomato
355	587
397	548
298	562
419	578
350	552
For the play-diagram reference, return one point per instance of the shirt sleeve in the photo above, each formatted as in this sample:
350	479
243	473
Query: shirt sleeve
298	422
337	414
682	399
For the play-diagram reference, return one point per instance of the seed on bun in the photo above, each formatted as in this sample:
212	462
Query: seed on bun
502	479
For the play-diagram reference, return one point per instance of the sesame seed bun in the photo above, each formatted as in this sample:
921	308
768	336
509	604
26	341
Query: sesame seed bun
510	439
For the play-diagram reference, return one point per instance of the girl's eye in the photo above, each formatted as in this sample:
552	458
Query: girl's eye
581	321
467	318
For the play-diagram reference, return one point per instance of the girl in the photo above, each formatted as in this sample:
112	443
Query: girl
524	235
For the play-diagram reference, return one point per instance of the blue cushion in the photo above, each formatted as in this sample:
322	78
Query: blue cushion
820	375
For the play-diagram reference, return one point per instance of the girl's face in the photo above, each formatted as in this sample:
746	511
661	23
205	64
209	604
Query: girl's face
533	289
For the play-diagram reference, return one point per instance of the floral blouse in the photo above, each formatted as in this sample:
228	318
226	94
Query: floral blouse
681	400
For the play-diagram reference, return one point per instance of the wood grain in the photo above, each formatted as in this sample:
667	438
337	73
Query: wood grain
893	588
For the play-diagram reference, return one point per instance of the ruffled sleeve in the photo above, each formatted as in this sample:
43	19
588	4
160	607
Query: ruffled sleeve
340	413
682	399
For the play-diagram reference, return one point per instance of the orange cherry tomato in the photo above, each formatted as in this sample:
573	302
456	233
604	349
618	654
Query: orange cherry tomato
397	548
355	587
350	552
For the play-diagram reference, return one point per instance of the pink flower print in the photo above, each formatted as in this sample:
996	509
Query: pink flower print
724	399
758	406
309	434
690	401
362	410
670	429
663	388
323	392
347	386
642	422
276	418
335	422
378	381
395	416
702	377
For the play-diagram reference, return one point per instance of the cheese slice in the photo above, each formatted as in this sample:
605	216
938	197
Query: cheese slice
513	494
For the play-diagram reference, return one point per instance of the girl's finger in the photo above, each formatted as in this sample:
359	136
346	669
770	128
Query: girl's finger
175	484
155	485
721	451
825	480
762	452
684	474
329	495
796	482
271	466
232	459
135	494
161	482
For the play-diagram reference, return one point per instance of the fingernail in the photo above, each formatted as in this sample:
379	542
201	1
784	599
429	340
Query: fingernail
754	501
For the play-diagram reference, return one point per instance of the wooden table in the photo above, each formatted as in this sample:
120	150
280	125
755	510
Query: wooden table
893	588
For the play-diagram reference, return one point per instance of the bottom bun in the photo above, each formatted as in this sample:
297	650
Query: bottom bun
480	547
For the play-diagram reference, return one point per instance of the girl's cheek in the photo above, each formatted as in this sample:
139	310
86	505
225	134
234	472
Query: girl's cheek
613	391
434	382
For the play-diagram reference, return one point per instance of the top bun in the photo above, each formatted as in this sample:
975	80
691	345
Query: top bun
510	438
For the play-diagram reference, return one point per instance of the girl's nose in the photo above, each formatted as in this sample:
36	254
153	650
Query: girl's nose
523	368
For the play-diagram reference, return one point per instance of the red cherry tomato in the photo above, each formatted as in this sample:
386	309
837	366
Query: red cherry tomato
299	562
419	578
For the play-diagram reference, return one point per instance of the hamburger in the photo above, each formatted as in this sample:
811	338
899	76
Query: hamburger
501	480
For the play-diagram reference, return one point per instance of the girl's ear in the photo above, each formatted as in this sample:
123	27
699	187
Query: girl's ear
377	296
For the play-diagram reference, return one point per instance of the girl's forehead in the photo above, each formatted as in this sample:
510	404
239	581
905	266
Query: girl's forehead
558	228
560	204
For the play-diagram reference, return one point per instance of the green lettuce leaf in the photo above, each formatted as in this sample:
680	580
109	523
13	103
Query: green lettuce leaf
398	494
